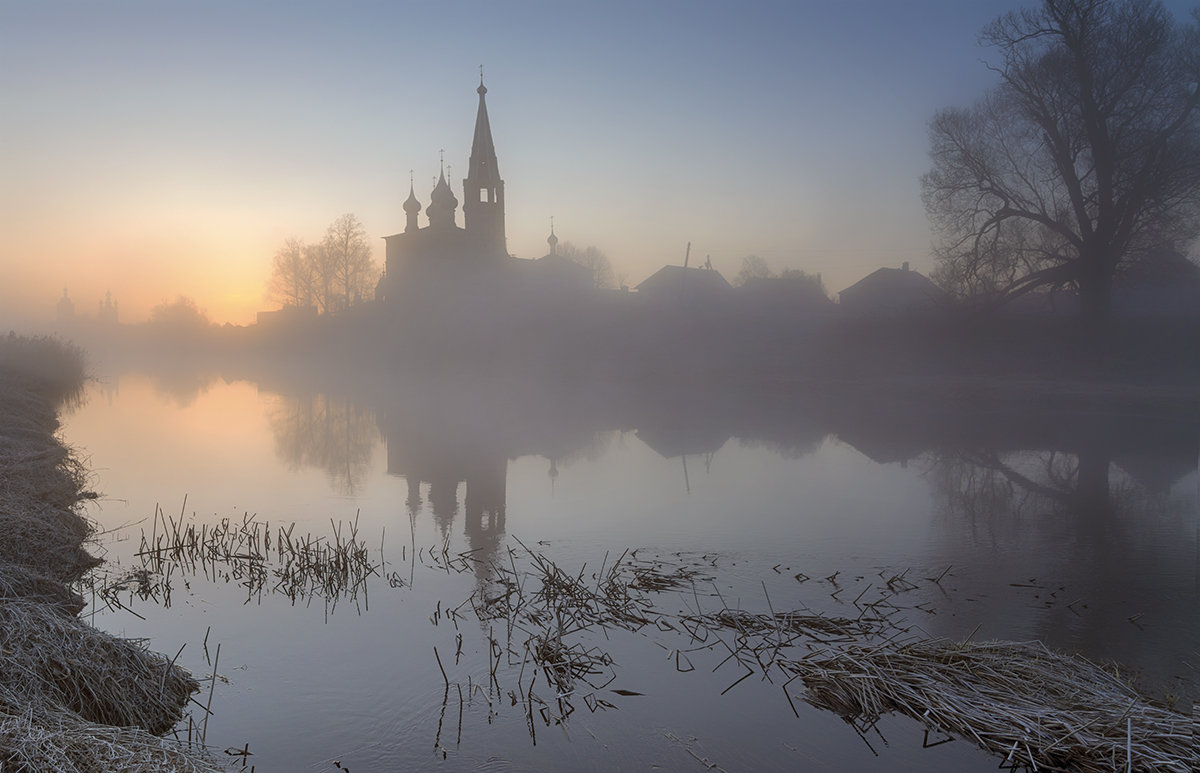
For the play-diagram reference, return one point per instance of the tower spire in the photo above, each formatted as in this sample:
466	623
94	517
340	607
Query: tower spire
483	190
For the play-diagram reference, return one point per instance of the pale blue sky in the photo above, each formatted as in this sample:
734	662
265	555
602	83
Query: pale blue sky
158	148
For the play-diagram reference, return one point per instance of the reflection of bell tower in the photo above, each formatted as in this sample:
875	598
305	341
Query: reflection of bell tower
424	451
443	499
483	190
484	506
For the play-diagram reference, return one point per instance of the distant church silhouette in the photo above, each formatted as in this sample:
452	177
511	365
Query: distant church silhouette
441	250
439	259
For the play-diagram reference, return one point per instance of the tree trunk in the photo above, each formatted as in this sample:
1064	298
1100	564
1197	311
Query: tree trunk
1092	501
1095	314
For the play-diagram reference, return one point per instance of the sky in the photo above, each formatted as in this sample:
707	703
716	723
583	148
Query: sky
154	149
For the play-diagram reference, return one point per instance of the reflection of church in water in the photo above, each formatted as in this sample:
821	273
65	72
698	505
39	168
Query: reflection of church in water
440	468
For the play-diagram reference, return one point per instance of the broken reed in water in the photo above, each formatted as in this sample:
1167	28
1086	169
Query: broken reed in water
249	552
551	616
1036	708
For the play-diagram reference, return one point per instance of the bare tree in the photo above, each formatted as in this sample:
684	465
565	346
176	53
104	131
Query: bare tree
803	284
332	274
753	267
320	266
1086	153
591	257
292	275
351	272
179	320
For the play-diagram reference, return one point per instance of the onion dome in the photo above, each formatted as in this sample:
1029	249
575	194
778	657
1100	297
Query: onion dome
441	204
411	205
442	196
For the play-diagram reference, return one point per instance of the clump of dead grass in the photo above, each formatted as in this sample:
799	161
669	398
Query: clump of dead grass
36	737
22	583
56	659
1034	707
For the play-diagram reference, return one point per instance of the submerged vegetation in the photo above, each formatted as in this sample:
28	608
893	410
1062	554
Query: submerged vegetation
72	698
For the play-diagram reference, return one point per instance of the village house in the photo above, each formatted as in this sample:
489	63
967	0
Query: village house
889	291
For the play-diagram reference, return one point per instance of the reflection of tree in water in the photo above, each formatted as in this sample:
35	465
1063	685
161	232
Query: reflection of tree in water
1076	548
983	484
1095	493
334	434
181	386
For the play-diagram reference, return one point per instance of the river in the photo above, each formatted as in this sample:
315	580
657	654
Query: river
1080	532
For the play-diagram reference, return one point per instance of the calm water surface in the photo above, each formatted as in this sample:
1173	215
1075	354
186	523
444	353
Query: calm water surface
1056	533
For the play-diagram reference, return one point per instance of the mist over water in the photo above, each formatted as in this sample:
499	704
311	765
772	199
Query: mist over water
1076	528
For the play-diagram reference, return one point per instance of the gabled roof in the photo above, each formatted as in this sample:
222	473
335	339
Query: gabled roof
671	441
1161	267
557	262
891	287
893	278
685	280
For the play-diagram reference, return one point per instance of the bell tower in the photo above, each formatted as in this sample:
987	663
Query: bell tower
483	190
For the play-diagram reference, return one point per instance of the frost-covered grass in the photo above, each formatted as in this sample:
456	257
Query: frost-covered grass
72	698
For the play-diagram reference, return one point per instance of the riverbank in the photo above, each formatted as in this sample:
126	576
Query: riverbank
72	698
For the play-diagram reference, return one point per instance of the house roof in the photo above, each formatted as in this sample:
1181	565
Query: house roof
670	441
893	278
556	262
891	283
676	277
1161	267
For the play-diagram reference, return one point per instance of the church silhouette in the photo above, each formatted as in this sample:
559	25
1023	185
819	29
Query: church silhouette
442	262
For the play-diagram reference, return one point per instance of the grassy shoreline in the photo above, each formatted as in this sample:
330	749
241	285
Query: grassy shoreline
72	698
